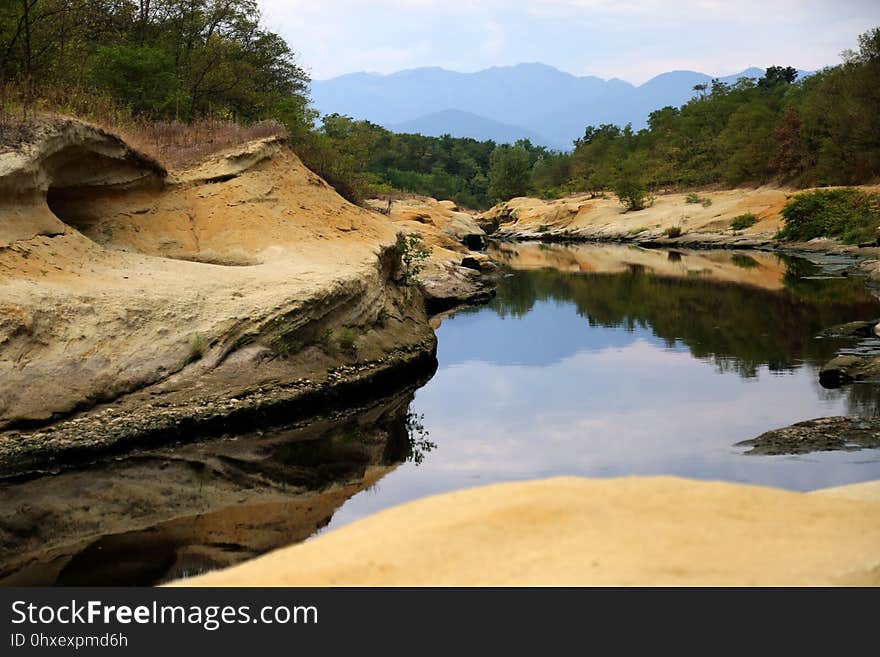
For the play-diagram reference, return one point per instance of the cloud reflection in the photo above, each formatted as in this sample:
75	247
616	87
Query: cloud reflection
534	387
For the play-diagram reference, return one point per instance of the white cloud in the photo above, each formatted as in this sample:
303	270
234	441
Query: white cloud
631	39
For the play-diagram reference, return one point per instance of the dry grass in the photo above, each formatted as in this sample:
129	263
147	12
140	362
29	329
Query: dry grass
174	144
177	144
21	103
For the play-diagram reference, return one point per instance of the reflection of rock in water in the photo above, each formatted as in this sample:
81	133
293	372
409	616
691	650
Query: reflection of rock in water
164	514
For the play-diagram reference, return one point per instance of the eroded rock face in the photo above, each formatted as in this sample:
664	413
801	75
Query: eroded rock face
450	277
62	155
445	216
119	282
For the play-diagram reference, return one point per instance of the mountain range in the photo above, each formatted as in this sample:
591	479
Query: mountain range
533	101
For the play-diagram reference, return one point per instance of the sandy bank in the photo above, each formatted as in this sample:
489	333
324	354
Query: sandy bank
706	223
572	531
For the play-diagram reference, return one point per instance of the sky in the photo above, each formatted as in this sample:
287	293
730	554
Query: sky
628	39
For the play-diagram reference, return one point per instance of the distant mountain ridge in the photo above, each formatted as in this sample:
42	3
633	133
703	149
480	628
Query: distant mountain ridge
466	124
535	101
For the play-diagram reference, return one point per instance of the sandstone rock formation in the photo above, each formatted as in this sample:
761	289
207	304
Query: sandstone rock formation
705	223
165	292
639	531
454	238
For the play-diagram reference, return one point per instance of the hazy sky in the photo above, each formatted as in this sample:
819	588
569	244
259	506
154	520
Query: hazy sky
630	39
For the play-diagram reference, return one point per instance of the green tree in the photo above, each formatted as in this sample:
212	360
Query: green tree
509	172
143	76
629	183
788	143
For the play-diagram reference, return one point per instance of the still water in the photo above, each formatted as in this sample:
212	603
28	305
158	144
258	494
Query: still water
595	361
614	360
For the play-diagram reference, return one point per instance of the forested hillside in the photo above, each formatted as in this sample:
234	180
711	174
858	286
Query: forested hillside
150	65
823	130
163	59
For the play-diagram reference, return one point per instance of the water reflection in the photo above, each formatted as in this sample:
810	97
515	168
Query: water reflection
164	514
608	361
740	318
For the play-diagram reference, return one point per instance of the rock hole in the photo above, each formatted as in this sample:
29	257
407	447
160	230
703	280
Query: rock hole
81	178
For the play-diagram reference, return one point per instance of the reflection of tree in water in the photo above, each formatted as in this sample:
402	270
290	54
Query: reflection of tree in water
743	261
407	438
737	327
863	399
419	445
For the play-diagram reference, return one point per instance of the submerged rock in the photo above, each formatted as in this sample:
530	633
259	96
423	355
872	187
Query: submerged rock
819	435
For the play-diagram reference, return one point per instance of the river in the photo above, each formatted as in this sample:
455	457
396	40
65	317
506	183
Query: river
595	361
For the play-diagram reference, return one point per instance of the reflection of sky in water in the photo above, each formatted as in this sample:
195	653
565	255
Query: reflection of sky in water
547	394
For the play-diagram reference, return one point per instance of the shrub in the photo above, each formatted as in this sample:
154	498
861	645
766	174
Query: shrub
696	198
326	342
743	221
632	194
542	228
412	256
198	345
849	214
287	346
673	231
346	339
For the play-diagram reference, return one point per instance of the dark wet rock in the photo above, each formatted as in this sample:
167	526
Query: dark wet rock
819	435
848	368
862	329
471	263
474	241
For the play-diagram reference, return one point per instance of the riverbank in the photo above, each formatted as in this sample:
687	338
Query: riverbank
141	304
634	531
733	218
